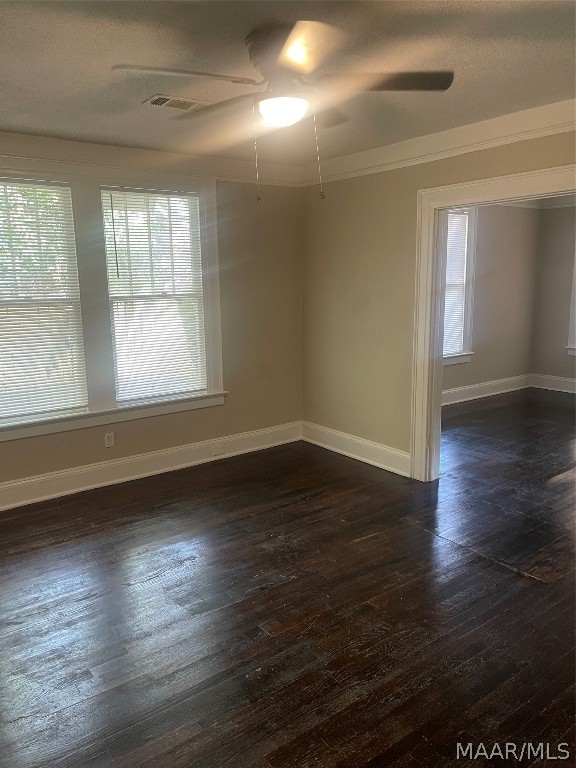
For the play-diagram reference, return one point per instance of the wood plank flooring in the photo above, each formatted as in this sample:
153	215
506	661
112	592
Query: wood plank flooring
296	608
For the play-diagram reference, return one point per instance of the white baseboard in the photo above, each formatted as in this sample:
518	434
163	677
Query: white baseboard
28	490
500	386
357	448
41	487
486	389
556	383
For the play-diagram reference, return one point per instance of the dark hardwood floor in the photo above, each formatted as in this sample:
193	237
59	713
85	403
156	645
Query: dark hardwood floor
294	607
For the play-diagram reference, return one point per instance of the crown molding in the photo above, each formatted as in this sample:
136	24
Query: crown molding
534	123
543	204
25	152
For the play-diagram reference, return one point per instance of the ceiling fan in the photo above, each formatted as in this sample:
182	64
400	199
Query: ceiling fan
287	58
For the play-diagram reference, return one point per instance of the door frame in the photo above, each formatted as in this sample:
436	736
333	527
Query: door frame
430	280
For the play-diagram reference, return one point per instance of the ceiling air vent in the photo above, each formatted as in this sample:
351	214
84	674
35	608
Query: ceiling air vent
174	102
159	101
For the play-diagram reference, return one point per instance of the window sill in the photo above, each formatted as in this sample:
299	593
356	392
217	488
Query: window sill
571	351
113	416
464	357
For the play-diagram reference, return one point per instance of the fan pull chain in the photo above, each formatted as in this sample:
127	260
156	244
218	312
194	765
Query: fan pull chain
114	234
258	198
322	195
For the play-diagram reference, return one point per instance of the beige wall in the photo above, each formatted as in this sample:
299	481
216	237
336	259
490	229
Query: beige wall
359	275
554	270
260	286
503	297
355	297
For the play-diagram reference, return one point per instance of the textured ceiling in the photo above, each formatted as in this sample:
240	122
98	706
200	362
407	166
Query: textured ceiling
55	60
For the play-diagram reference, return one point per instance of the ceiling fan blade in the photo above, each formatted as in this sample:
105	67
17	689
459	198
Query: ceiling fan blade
245	98
308	45
185	73
388	81
331	117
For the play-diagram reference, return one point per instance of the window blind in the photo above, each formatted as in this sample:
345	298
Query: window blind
456	269
153	254
42	369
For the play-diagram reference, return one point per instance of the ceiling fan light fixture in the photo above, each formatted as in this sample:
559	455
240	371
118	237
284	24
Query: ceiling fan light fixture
282	111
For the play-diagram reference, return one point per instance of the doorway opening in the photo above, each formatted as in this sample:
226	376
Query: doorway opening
509	364
430	291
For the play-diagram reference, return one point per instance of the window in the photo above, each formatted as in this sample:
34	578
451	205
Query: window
153	255
42	368
108	314
460	237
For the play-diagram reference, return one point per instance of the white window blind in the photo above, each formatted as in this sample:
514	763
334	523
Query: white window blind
455	309
42	369
154	264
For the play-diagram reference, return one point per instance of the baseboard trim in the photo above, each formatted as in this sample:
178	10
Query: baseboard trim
29	490
501	386
378	455
486	389
556	383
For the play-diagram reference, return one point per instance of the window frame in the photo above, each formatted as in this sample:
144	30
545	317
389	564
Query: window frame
86	185
71	301
210	297
466	354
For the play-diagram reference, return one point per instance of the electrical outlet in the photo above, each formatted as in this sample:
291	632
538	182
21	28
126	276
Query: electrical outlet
108	439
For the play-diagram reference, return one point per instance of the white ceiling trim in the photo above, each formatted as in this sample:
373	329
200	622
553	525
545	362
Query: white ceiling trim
26	153
21	152
544	204
532	123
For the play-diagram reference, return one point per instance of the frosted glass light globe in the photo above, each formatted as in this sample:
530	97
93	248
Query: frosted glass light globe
281	111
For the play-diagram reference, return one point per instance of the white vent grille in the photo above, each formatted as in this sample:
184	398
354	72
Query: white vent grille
174	102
